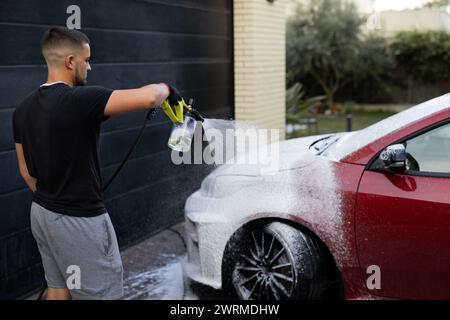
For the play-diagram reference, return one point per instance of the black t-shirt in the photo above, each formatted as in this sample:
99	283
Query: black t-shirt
58	127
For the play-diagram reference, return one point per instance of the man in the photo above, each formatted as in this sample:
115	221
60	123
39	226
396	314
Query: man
56	130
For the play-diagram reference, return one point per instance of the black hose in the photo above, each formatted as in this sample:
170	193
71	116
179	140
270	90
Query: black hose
150	115
179	236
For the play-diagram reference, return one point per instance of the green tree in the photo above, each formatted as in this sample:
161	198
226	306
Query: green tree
297	102
373	71
423	56
324	43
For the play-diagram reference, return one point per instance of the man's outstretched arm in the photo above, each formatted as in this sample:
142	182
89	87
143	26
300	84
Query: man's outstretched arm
30	181
147	97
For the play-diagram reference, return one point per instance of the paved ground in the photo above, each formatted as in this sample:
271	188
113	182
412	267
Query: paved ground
152	270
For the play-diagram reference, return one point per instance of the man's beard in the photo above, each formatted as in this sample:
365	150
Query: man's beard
79	81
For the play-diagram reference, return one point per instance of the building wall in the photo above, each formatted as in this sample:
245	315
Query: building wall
260	63
187	43
391	22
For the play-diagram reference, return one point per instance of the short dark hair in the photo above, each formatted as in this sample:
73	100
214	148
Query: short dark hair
58	37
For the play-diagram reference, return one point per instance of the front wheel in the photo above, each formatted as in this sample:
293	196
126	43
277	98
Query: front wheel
277	262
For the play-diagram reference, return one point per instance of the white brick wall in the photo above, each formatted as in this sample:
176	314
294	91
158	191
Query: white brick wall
259	57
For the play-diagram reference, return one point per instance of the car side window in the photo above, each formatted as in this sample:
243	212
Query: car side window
429	152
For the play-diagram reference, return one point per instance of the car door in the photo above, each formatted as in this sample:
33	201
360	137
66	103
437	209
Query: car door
402	220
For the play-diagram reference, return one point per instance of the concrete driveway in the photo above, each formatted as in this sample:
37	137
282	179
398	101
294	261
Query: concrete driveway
153	271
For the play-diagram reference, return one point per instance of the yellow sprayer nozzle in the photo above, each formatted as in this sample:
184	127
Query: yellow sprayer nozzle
177	117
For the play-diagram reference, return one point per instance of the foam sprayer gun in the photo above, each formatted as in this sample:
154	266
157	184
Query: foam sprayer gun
182	131
184	124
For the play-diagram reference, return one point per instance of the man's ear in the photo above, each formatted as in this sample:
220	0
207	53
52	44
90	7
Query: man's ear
69	61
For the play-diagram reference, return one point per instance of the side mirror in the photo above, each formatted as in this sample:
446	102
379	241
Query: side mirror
394	158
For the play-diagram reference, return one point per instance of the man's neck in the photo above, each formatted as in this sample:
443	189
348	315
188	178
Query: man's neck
53	77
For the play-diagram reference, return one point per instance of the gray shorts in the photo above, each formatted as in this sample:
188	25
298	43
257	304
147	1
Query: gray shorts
80	254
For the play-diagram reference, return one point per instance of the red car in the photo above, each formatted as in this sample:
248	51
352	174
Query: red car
361	215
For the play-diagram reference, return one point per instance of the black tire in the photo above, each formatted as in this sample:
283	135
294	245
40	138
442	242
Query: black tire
275	262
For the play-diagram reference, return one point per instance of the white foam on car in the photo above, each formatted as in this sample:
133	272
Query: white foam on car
305	186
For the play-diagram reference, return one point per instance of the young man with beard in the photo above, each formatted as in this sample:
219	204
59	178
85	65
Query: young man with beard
56	132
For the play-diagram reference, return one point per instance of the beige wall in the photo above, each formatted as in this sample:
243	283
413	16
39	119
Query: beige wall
392	22
260	59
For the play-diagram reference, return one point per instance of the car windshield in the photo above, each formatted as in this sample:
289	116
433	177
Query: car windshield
354	141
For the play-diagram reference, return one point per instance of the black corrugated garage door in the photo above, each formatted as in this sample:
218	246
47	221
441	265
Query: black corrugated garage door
187	43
